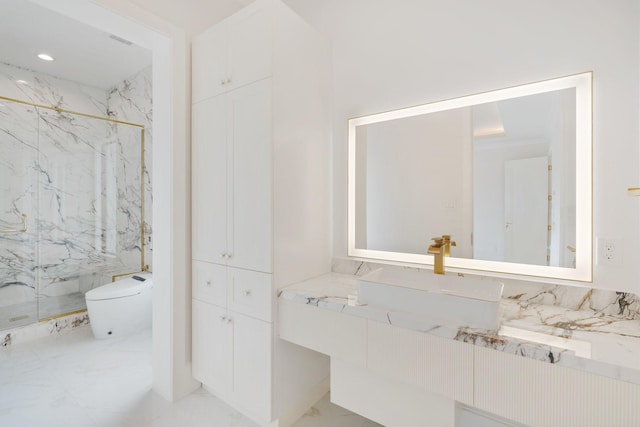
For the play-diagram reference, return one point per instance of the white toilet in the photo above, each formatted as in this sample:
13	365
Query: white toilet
120	308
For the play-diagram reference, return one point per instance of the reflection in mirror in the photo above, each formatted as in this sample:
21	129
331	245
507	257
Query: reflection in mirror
524	181
497	170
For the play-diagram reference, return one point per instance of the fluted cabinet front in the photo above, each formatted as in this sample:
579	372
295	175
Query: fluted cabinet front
541	394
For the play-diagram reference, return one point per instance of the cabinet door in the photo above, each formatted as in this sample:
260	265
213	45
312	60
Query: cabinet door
252	365
250	46
209	179
250	243
209	63
212	347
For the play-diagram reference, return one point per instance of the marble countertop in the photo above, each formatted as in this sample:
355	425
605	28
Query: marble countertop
587	339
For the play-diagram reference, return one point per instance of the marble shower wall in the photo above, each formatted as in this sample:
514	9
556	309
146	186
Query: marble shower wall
78	180
131	101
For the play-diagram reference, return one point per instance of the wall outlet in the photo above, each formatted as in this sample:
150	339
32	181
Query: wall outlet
609	252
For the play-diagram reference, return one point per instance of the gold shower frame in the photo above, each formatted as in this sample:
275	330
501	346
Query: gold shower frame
143	266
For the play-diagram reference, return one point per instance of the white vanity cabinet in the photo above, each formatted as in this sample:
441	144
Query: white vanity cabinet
404	376
260	205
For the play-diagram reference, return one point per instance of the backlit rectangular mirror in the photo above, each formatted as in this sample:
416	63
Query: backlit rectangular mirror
507	173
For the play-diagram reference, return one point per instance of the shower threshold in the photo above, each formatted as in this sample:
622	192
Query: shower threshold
15	315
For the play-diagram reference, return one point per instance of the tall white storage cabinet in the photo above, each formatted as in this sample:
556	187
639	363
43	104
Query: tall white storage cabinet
260	191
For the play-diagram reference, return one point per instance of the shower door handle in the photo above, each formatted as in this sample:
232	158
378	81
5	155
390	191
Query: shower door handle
17	230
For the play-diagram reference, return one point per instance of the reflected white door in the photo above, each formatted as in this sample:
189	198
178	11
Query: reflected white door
526	210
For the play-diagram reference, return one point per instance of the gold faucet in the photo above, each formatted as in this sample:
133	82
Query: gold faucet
448	243
440	248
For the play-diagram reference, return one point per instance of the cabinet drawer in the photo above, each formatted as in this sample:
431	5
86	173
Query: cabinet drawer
249	293
210	283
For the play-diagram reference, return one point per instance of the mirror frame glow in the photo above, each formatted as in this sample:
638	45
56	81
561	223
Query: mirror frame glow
584	217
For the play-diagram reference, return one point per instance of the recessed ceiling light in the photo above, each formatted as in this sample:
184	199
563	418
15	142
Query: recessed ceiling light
22	82
45	57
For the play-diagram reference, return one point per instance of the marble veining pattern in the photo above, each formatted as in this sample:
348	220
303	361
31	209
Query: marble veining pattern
575	298
613	339
131	101
77	179
36	331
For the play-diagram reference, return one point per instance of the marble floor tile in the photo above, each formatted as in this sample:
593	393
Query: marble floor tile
72	379
324	413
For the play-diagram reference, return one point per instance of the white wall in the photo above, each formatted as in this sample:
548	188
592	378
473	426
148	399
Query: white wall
395	54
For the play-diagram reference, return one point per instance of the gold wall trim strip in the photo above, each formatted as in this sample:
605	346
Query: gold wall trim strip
57	316
117	276
143	170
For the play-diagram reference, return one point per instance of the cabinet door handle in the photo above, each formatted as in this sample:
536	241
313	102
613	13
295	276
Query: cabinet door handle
228	81
246	292
229	256
208	283
223	82
223	319
223	255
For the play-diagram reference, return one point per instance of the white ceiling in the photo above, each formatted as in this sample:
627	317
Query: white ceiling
193	16
89	56
82	53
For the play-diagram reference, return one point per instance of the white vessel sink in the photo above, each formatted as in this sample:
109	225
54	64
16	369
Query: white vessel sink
450	299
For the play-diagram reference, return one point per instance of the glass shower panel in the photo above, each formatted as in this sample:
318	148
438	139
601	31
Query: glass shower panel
71	208
90	207
19	172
